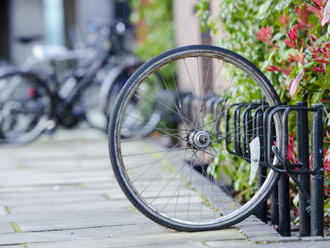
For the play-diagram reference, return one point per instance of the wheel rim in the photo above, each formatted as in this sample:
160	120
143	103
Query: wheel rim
195	137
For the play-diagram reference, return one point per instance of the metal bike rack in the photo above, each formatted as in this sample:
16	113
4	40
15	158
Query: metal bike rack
310	198
257	119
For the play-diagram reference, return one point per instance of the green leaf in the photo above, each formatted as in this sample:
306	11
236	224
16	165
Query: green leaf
237	184
288	52
282	5
278	36
294	72
225	169
264	10
268	62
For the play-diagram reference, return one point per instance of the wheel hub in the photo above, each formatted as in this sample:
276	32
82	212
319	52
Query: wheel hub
199	139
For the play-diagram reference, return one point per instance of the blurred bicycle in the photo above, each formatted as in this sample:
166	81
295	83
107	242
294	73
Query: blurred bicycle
32	103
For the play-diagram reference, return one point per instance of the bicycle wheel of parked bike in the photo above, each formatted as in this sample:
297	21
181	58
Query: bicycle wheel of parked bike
25	107
196	175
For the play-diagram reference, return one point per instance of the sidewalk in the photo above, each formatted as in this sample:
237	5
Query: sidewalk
61	192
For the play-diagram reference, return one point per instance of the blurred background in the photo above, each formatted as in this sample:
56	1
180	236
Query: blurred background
65	23
83	52
55	22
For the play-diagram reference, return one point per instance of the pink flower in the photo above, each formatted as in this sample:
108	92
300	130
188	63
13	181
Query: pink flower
295	84
265	35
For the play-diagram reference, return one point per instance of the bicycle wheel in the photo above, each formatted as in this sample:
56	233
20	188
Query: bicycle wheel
187	177
25	107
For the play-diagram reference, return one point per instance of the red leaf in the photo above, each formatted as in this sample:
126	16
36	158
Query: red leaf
293	33
284	19
318	3
290	154
327	160
318	69
265	34
302	16
289	43
273	68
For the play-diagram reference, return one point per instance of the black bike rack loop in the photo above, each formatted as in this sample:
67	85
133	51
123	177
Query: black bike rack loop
257	119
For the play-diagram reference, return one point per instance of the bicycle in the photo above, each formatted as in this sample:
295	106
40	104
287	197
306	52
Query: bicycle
193	182
32	103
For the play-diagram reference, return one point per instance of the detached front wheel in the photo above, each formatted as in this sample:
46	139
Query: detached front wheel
183	176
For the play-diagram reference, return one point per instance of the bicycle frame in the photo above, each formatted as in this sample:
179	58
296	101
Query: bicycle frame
64	105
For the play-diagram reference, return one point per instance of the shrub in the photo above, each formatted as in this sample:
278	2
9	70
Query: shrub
291	45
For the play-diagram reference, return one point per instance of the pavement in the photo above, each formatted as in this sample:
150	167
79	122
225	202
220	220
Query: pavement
60	191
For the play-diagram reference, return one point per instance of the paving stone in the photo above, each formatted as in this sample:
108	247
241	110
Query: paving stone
315	244
6	228
288	239
315	238
3	211
230	243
